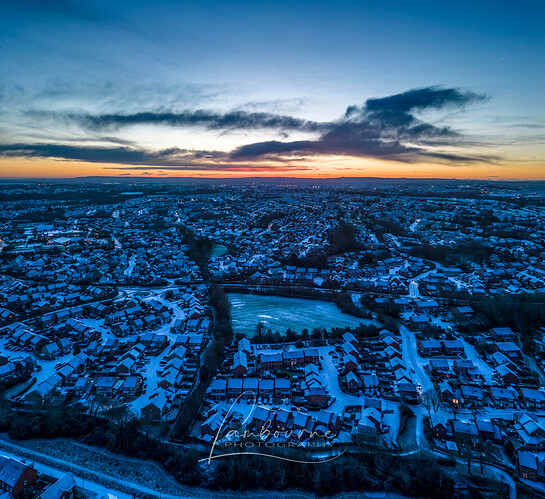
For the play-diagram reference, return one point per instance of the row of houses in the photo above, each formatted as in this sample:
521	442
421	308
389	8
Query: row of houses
468	432
468	395
250	388
290	359
444	347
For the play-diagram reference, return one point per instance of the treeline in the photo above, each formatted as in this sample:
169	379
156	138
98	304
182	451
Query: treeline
343	238
473	252
122	434
414	476
344	301
264	335
524	313
199	247
264	221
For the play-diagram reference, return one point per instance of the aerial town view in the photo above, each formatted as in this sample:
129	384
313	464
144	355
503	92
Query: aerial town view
272	249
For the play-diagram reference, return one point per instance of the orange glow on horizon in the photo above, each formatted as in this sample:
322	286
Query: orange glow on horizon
311	168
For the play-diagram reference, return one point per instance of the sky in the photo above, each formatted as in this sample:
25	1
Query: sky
256	88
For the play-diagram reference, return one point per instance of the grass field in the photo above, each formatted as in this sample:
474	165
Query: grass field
280	313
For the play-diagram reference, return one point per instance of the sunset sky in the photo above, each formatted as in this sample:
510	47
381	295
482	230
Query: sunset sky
339	88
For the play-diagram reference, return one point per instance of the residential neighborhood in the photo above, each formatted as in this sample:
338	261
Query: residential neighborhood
295	317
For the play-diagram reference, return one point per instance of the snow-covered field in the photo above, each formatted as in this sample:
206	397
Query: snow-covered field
280	313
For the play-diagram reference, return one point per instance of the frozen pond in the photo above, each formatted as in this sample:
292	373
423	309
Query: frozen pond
278	314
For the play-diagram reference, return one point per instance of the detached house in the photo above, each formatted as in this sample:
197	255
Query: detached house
429	347
15	476
533	399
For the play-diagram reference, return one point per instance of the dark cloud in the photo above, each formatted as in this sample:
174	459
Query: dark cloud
167	159
385	128
389	128
235	120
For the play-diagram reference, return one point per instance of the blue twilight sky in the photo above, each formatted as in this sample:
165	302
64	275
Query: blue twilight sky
76	77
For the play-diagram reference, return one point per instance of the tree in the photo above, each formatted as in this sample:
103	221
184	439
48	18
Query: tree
466	448
430	401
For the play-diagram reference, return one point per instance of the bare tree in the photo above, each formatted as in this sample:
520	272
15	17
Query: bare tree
430	401
483	448
466	448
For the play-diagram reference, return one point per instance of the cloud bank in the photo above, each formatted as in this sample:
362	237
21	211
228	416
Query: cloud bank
387	128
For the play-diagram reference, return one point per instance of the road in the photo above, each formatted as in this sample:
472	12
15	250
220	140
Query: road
410	358
330	378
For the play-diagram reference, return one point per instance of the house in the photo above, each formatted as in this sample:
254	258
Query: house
506	375
282	388
426	305
441	430
446	392
168	379
125	366
489	431
440	366
465	312
283	420
51	351
240	364
63	488
533	399
503	397
156	406
429	347
131	385
530	466
349	349
83	385
390	341
302	423
466	432
218	389
472	395
384	333
371	416
15	476
352	382
329	420
270	361
402	376
266	388
453	347
500	359
350	338
503	334
105	385
530	429
263	418
294	359
418	321
245	346
311	356
408	392
391	352
250	388
462	366
350	363
215	424
234	387
316	395
509	349
370	382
